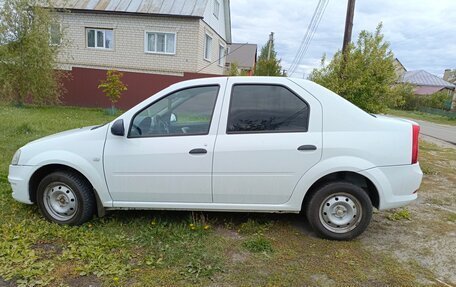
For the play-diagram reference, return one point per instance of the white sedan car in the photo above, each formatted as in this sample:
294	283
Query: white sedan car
250	144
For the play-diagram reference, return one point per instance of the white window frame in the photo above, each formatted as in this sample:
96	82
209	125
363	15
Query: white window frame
60	34
206	48
222	58
156	52
216	10
96	35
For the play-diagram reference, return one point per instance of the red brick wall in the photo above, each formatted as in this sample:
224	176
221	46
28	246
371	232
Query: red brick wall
82	87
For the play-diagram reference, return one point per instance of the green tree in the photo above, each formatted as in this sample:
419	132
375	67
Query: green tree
113	87
234	70
268	64
365	75
27	59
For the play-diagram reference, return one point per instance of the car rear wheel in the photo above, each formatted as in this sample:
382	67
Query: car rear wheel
339	211
66	198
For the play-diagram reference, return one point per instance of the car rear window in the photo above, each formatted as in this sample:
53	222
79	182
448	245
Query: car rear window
266	109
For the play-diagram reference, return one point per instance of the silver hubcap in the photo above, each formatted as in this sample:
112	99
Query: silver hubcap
60	201
340	213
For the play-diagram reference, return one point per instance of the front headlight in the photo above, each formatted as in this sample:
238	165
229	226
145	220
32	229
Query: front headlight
16	157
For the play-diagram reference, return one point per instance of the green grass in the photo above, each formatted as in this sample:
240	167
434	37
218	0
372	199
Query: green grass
400	214
147	248
423	116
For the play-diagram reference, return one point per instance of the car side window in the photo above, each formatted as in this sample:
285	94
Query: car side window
185	112
266	109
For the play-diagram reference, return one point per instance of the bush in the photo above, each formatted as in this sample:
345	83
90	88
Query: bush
437	100
363	75
415	102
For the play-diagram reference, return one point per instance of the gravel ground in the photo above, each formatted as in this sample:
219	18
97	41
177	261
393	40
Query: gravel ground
428	237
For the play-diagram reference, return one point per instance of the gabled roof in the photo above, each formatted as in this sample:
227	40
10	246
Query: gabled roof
244	55
188	8
423	78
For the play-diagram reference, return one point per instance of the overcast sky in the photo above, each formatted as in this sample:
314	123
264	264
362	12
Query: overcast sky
422	33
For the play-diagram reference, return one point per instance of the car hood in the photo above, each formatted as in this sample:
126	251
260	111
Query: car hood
86	142
73	132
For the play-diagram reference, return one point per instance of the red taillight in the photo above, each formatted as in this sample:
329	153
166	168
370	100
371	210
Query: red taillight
416	132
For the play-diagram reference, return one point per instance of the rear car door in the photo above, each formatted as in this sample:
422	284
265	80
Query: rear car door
270	134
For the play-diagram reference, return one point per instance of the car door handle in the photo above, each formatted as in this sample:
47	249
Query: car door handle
198	151
307	147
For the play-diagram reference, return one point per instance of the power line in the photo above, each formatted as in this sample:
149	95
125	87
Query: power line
311	29
304	39
311	32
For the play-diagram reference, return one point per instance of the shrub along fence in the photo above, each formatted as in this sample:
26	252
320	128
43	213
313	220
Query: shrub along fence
448	114
441	101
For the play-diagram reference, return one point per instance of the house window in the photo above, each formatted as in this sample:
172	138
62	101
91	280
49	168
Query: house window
161	43
100	38
221	60
216	8
208	48
55	34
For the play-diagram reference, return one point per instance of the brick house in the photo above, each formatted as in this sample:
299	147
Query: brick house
154	42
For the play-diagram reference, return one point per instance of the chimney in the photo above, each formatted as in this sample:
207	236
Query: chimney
446	74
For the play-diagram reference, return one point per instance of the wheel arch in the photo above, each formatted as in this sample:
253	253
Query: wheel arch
45	170
348	176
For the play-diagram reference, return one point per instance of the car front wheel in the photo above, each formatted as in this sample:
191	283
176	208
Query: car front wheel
66	198
339	211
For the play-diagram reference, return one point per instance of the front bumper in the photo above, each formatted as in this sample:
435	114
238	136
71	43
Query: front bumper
397	185
18	177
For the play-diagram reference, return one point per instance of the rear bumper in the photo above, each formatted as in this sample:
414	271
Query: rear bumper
397	185
18	177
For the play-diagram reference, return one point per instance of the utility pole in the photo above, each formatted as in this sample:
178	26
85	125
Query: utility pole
348	25
270	42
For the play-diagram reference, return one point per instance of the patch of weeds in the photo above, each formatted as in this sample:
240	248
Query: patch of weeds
199	221
452	217
199	268
25	129
258	244
400	215
253	226
428	170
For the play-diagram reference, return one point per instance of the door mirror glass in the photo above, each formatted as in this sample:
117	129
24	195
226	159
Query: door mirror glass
173	118
118	128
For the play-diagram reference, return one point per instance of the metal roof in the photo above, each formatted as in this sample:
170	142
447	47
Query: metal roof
423	78
244	55
189	8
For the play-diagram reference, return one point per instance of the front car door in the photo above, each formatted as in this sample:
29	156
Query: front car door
168	151
270	134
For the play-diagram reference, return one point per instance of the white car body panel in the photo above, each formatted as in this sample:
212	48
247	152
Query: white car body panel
248	172
263	168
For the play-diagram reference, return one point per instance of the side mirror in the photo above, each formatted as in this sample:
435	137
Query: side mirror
117	128
173	118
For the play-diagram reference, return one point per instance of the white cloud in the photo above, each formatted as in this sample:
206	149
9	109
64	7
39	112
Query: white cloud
421	33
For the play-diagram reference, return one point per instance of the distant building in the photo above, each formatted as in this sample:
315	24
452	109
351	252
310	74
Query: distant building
244	56
450	76
426	83
399	68
154	42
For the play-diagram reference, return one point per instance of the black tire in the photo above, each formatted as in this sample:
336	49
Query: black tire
82	198
346	201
